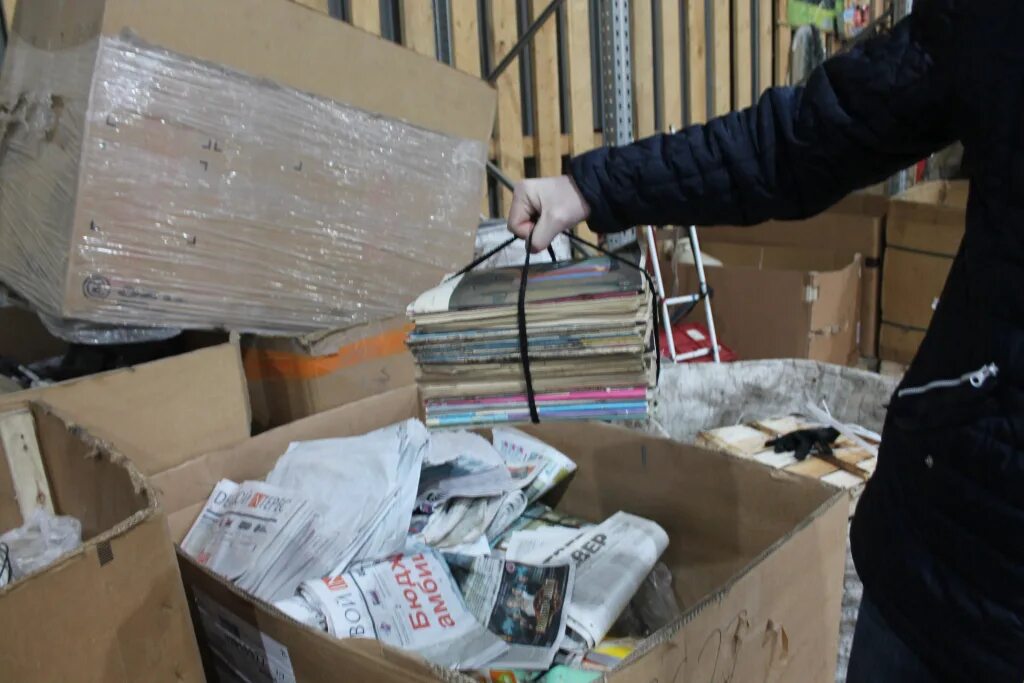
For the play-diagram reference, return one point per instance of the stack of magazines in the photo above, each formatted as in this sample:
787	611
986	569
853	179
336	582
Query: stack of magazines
589	334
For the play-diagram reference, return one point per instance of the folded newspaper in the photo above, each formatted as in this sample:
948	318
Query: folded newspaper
471	492
612	560
326	505
409	601
525	605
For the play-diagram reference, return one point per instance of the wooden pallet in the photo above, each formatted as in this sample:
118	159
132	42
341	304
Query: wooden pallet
849	468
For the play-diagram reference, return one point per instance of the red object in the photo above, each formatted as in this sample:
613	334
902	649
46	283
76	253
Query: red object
692	337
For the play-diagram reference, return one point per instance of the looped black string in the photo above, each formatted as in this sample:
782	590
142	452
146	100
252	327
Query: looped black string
524	342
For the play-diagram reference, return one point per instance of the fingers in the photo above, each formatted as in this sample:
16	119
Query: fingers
545	232
522	213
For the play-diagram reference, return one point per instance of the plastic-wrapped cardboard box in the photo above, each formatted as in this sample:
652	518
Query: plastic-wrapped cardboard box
114	610
782	302
246	164
738	532
926	226
855	225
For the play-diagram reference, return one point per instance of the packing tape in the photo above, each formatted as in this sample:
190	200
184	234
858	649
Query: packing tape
265	364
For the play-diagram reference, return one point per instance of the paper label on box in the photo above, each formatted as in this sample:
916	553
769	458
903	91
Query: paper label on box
695	335
241	648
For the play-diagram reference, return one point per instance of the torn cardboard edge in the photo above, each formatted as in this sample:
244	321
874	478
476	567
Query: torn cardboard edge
96	448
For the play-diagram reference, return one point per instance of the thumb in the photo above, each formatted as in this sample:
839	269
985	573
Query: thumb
521	213
545	232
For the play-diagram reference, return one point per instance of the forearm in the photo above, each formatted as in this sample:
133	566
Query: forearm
860	117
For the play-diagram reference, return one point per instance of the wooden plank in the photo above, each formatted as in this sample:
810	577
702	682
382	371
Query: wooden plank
742	62
722	51
671	65
783	43
418	27
877	8
578	71
18	438
564	145
765	40
696	62
466	36
547	111
504	33
365	14
642	52
9	6
466	57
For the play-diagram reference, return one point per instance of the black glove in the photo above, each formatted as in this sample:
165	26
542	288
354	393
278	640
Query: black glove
806	440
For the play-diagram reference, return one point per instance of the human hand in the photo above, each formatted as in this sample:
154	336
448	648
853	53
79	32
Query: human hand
547	207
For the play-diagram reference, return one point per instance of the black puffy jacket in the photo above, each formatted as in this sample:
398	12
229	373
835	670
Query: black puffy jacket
939	534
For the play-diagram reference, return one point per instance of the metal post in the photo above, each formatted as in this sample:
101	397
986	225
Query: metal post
698	261
617	89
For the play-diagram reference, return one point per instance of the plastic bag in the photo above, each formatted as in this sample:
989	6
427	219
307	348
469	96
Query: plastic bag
655	603
653	606
40	542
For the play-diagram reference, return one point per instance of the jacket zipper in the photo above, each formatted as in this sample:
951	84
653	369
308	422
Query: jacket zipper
976	379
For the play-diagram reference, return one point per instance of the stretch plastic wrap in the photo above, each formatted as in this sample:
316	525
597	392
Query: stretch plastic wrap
143	187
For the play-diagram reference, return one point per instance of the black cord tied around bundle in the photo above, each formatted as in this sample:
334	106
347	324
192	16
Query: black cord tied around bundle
524	344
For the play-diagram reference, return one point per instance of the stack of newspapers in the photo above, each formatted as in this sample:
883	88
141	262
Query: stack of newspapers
590	344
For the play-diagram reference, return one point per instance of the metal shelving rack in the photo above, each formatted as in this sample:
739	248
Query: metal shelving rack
617	95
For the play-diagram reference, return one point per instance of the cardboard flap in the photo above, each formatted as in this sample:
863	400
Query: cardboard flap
162	413
191	482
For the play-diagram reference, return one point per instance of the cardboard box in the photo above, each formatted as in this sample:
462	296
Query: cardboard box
169	176
926	227
24	338
929	217
855	225
899	344
782	302
158	414
913	285
290	379
738	532
113	611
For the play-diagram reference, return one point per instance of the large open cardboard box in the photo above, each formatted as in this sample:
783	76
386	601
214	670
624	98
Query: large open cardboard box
739	534
782	301
114	610
854	225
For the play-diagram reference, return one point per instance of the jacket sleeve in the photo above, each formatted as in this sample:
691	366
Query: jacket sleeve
862	116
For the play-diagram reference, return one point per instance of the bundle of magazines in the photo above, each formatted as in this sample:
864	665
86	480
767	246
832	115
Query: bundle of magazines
573	342
439	544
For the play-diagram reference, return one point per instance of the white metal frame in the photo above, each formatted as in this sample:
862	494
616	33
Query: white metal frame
667	303
617	96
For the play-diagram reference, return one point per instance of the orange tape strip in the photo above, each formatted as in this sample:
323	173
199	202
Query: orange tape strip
261	364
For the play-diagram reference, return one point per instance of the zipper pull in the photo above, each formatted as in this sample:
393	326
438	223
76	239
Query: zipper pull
979	377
